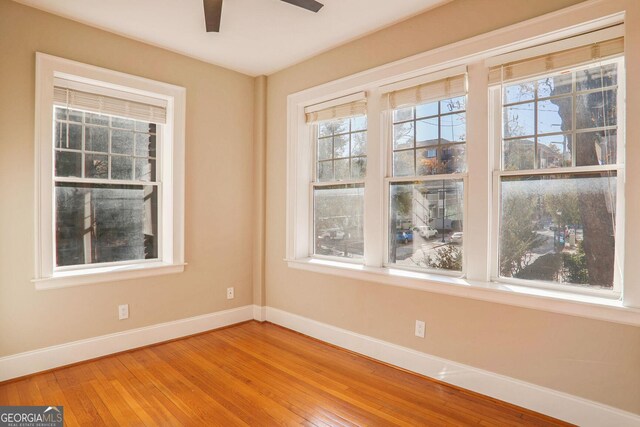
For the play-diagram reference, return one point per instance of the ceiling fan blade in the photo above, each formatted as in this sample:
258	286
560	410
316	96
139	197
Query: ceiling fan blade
311	5
212	15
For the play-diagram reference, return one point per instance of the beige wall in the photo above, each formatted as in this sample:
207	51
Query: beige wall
219	216
593	359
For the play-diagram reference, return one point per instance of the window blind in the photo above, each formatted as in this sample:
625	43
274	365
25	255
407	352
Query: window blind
432	91
103	104
349	109
543	64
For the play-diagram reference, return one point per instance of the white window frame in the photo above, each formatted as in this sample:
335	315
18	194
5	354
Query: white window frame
496	118
171	170
315	184
389	179
479	245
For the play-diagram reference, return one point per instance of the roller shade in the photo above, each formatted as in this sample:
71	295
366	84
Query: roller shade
432	91
104	104
319	113
556	61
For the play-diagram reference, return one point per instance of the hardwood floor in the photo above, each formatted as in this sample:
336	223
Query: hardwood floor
259	375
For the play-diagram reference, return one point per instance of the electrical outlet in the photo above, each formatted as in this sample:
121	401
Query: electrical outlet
230	293
420	327
123	311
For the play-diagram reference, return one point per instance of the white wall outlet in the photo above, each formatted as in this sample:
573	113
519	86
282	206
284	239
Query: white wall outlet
230	293
123	311
420	327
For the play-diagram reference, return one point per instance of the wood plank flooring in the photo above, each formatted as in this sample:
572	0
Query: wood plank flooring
255	374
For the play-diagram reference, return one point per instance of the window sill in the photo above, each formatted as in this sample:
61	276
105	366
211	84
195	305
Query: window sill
106	274
588	306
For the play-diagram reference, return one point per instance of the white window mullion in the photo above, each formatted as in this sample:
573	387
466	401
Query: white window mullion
373	195
478	184
494	142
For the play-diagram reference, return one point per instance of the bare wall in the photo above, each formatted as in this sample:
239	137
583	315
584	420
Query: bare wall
593	359
219	173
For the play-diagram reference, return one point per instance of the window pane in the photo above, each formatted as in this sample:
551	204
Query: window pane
118	122
597	109
341	169
325	148
325	171
145	127
559	228
325	129
75	116
554	115
60	136
122	141
402	114
145	170
453	128
341	146
60	113
338	218
596	148
425	110
554	85
96	119
519	120
519	92
517	154
403	163
96	139
425	224
359	144
403	135
427	162
453	104
121	167
341	157
96	166
105	223
567	133
68	164
453	158
554	151
427	132
339	126
358	167
597	77
145	145
75	137
358	123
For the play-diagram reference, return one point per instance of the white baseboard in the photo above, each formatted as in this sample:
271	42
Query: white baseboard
259	313
540	399
554	403
30	362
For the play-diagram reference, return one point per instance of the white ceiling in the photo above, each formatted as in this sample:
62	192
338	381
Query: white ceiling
256	36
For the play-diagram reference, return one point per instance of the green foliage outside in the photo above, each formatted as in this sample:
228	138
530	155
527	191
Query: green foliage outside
575	266
447	258
518	238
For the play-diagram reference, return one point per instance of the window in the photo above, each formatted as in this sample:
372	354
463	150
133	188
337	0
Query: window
111	172
340	140
428	145
558	180
106	188
494	171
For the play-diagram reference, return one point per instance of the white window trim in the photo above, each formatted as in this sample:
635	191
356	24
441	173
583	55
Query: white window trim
495	118
171	252
477	283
